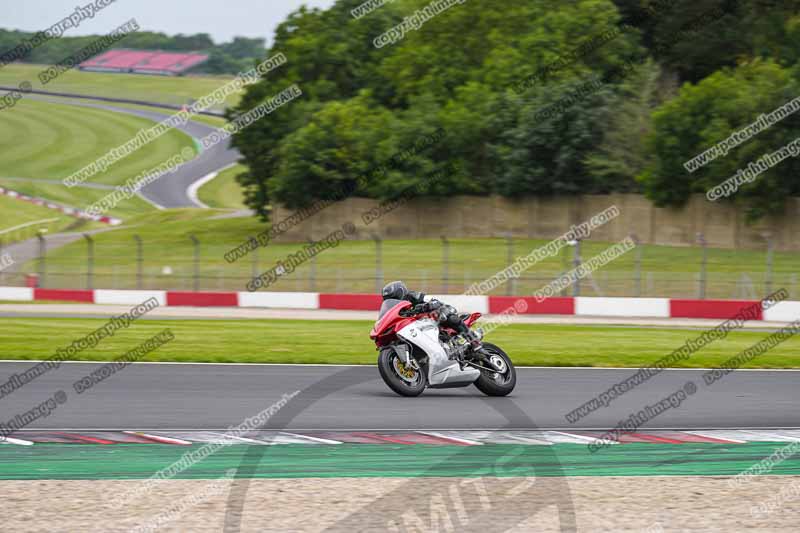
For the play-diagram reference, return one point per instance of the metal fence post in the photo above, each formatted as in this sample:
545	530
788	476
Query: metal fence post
576	262
512	285
2	267
139	261
445	264
312	282
703	263
254	270
770	250
42	257
196	275
378	262
564	267
637	267
89	260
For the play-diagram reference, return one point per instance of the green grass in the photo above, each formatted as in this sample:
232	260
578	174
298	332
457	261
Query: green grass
51	141
347	342
80	197
14	212
161	89
223	191
214	122
166	243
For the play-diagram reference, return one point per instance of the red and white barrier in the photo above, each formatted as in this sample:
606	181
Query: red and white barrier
580	306
641	307
103	296
67	210
783	312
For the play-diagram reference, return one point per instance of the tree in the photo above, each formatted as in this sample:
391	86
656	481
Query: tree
702	115
455	72
622	155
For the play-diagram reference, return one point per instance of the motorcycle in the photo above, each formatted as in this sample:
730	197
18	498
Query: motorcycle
416	353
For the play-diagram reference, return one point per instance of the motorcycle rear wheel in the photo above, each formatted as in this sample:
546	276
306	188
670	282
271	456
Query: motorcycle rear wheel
403	380
495	383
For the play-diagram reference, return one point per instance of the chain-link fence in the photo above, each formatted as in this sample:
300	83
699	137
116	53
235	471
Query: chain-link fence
443	266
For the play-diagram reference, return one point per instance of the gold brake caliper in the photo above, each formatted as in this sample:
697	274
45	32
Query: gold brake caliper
407	372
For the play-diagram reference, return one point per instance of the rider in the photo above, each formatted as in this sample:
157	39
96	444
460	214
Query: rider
447	314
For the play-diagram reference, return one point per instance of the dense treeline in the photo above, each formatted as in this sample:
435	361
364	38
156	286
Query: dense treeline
225	58
535	96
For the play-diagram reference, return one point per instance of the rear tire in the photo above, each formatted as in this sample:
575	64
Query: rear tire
387	361
489	383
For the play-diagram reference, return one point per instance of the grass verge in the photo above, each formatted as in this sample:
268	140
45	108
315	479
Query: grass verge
159	89
224	191
347	342
44	140
32	218
78	197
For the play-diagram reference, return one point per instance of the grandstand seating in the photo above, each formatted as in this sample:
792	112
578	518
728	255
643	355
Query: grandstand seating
143	62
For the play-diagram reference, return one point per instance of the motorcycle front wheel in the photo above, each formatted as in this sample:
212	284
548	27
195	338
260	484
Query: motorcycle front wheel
499	383
405	380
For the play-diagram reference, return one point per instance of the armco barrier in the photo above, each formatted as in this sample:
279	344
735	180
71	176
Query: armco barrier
581	306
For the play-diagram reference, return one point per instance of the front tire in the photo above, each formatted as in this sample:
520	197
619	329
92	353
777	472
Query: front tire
405	381
496	383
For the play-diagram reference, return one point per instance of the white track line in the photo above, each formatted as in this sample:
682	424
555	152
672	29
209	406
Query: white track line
20	442
149	201
244	439
193	189
529	440
309	437
789	433
585	438
450	437
770	436
43	221
715	436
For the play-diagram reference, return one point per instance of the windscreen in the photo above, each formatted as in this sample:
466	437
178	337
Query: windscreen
387	306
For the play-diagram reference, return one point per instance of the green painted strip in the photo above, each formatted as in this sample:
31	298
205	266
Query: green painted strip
140	461
198	145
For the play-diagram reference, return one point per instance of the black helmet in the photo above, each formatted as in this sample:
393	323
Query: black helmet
396	290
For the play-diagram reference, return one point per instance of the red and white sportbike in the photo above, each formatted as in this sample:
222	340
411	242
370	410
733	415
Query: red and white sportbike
415	353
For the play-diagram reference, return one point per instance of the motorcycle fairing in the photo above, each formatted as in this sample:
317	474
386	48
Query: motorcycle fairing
424	333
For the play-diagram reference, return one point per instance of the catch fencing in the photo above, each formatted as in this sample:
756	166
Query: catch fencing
442	266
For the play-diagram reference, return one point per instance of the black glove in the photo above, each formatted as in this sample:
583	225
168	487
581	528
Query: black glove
433	305
415	310
425	307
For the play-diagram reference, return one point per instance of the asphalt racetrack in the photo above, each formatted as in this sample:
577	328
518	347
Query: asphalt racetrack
210	396
172	191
